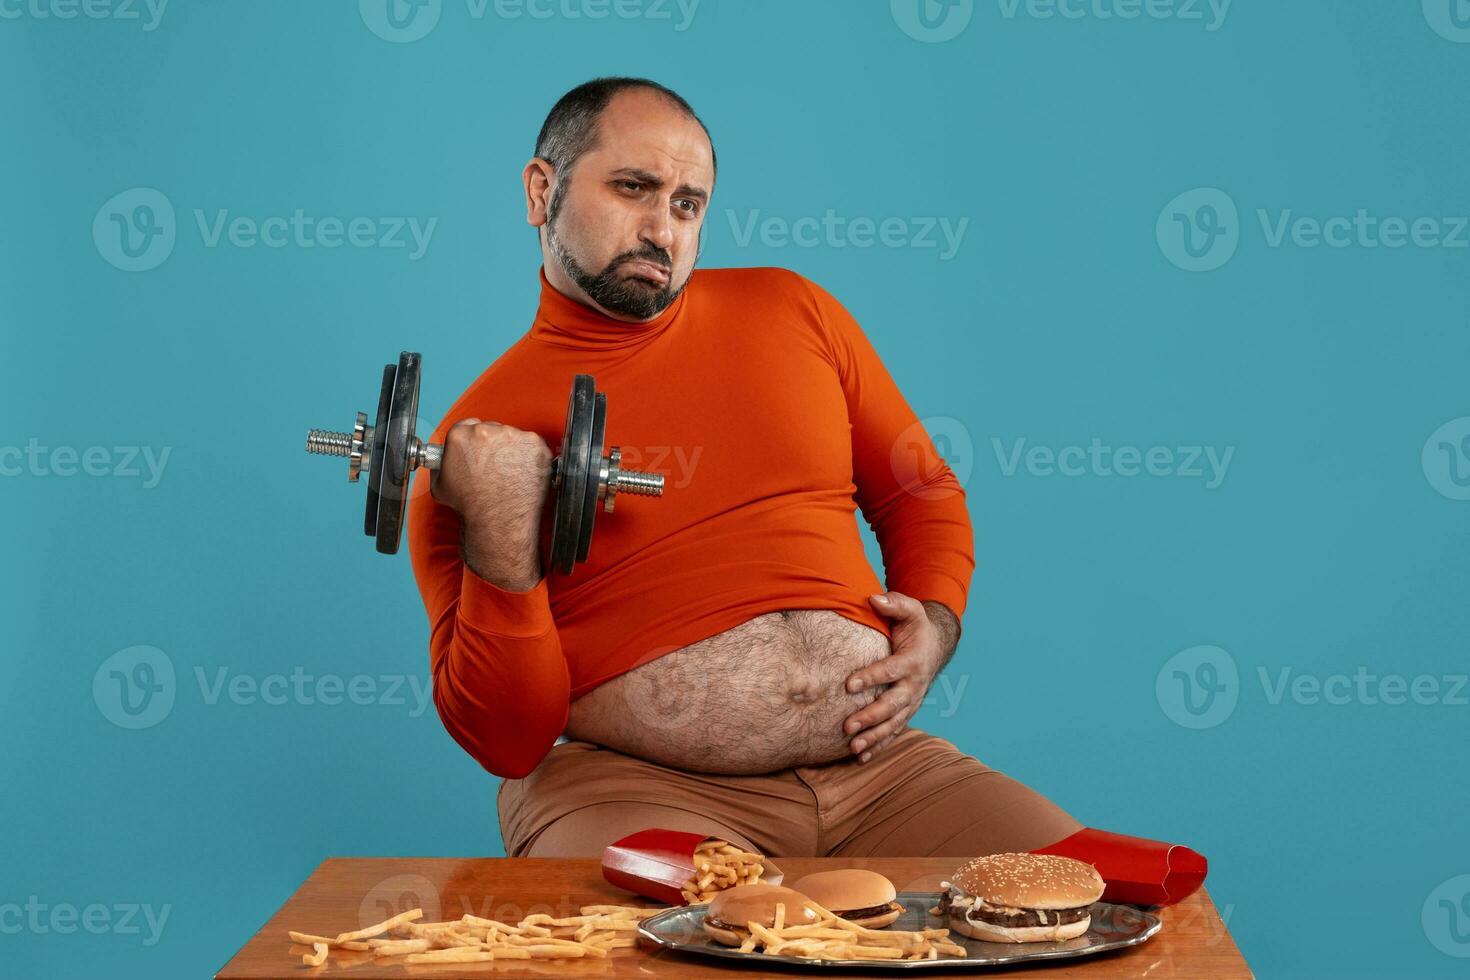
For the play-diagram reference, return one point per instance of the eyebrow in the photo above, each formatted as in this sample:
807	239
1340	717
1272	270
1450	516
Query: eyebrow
653	180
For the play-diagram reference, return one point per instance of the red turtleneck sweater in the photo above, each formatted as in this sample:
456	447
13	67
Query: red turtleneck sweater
771	417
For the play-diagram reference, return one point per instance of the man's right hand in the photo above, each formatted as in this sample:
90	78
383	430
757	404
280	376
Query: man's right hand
497	478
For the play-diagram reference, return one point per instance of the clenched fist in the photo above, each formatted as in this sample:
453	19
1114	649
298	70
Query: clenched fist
497	477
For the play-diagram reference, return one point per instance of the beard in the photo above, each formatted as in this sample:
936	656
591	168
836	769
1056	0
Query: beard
630	296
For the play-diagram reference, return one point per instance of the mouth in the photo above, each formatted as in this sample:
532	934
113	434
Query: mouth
641	269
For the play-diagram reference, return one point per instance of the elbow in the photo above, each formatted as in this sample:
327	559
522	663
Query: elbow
509	743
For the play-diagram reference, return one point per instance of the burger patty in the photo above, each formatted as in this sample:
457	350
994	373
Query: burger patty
1028	917
849	914
870	911
721	924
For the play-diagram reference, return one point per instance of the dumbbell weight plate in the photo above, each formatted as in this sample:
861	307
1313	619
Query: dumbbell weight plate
574	467
376	451
594	488
402	417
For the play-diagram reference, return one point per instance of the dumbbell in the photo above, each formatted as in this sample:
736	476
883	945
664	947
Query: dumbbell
581	476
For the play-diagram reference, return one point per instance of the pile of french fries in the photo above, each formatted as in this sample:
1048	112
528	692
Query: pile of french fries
719	865
835	938
472	939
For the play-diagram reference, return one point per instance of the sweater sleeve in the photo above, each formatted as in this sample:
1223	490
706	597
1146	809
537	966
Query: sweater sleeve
907	492
501	684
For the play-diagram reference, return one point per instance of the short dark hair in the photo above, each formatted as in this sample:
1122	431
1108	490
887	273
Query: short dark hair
570	129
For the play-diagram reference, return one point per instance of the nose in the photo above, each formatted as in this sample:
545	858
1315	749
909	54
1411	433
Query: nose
658	226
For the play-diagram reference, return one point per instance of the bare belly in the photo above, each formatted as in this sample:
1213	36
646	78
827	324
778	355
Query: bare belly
766	695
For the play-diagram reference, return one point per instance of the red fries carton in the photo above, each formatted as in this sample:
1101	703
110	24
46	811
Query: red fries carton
657	863
1137	870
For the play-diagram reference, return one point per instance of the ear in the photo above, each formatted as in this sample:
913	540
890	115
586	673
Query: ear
537	178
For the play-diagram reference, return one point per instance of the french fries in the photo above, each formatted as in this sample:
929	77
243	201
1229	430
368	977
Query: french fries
719	865
832	937
471	939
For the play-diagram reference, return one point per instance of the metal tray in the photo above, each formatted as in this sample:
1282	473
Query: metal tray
1113	927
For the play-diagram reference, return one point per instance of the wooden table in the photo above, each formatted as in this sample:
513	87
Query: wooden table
343	894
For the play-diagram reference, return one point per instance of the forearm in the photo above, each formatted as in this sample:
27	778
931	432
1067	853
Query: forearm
510	560
947	624
501	683
501	680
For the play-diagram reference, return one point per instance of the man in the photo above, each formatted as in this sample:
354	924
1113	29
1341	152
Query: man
726	661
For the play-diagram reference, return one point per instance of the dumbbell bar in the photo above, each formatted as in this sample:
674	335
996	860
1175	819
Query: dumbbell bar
581	476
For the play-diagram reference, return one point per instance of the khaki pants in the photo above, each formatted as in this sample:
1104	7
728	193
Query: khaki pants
919	797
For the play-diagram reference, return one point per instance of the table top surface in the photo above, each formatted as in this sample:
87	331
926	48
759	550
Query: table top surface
344	894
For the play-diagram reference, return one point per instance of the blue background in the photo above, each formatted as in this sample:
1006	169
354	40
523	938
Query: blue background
1061	318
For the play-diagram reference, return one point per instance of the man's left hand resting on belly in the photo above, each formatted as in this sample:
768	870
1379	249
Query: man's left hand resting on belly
924	638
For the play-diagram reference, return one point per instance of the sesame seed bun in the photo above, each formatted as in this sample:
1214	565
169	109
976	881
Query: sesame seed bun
1030	881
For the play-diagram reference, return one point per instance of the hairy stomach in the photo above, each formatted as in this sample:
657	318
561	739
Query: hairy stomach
766	695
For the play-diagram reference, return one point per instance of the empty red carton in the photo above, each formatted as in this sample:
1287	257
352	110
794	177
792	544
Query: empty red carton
1137	870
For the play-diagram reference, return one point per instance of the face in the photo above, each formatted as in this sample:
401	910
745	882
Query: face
621	232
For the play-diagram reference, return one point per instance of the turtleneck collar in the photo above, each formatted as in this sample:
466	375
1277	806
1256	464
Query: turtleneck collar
563	321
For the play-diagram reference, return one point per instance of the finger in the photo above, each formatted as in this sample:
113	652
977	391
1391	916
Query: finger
872	739
897	605
893	667
871	753
890	669
889	703
467	421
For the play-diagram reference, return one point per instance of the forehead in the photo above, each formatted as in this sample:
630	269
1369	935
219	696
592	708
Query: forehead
640	128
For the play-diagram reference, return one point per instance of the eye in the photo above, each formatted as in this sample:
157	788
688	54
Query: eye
631	185
687	205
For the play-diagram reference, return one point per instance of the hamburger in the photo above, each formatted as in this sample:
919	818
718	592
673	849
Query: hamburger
731	910
864	897
1021	898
